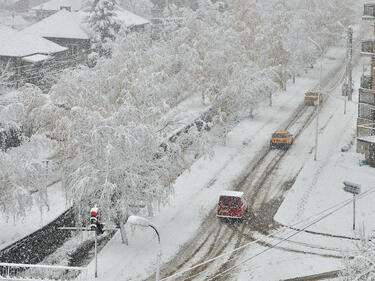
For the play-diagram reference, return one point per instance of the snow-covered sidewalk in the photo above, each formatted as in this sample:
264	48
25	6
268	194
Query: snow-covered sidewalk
197	190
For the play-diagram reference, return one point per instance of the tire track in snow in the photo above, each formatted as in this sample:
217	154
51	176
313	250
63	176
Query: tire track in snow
246	184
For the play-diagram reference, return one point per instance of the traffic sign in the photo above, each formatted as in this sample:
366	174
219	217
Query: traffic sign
352	187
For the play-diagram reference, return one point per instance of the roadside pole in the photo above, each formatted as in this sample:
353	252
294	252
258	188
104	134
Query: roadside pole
318	107
347	89
96	254
354	189
353	211
350	56
94	226
320	91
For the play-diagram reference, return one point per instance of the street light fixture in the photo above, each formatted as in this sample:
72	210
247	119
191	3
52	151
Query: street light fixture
140	221
320	90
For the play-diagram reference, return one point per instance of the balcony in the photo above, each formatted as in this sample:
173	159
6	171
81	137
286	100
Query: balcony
367	48
366	91
369	11
366	82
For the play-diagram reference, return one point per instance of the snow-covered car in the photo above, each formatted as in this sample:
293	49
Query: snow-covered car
281	139
232	205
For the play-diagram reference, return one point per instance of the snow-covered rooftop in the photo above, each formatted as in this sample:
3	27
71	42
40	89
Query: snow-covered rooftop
125	17
128	19
36	58
17	44
63	24
55	5
231	193
73	25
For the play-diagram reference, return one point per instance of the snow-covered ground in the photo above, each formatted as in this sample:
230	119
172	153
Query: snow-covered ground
197	190
15	229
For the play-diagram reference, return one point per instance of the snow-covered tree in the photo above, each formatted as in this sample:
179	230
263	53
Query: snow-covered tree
114	163
361	267
21	174
138	7
110	121
104	25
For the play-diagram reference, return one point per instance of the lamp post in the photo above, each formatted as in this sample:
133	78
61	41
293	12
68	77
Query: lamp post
135	220
320	89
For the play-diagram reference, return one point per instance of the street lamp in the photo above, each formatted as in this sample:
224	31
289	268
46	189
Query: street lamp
320	89
135	220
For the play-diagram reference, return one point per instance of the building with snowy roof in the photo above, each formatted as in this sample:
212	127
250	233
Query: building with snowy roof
70	29
47	9
20	52
16	45
64	28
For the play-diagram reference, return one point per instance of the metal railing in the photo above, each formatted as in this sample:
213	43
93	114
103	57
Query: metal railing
37	272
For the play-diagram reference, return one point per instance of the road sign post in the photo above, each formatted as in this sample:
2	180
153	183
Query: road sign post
354	189
96	255
353	211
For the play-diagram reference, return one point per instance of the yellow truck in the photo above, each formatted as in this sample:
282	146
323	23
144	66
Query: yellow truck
312	97
281	140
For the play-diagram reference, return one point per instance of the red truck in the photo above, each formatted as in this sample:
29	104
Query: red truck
232	205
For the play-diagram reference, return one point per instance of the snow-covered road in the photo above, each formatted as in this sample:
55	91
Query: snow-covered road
189	230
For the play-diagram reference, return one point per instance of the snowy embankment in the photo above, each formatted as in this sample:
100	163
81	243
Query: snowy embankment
36	217
197	190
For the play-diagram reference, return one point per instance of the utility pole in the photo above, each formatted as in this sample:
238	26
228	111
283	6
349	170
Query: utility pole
349	64
320	92
347	89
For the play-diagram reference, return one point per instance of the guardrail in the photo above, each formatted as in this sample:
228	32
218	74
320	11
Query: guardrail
37	272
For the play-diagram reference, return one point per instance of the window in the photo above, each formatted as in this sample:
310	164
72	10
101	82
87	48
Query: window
73	50
311	94
366	98
279	136
234	203
225	202
367	46
366	111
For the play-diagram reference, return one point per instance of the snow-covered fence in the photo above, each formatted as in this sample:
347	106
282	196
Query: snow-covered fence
14	271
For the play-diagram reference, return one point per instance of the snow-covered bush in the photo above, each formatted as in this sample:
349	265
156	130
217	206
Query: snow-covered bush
22	173
138	7
360	267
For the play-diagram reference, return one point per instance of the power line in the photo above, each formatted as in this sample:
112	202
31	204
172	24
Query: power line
343	203
290	236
